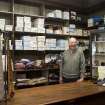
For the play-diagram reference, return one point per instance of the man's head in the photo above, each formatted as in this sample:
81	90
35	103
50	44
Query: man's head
72	43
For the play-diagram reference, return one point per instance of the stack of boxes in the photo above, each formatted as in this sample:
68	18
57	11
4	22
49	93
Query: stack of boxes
39	23
19	24
41	43
72	29
66	15
2	24
29	43
27	24
50	44
5	27
18	45
58	14
90	22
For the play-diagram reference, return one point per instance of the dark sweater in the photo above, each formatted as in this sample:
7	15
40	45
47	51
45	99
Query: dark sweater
73	63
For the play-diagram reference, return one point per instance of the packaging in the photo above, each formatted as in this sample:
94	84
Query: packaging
27	24
90	22
41	30
39	23
8	27
58	14
41	38
27	29
49	31
27	19
2	24
50	14
58	31
18	45
34	29
20	19
65	30
19	29
79	32
66	15
19	24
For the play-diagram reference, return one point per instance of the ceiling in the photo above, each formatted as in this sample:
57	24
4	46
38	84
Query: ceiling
86	6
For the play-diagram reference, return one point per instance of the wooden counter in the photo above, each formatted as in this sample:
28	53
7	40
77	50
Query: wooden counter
55	93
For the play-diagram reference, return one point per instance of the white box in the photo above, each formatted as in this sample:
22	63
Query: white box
2	27
50	14
18	45
41	38
2	22
58	13
20	19
39	23
73	13
72	26
27	19
58	31
66	30
27	24
19	24
8	27
27	29
34	29
66	15
90	22
49	31
19	29
41	30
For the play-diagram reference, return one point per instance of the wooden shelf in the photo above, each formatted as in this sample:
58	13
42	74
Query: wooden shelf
6	13
100	54
29	70
22	14
99	41
55	19
29	33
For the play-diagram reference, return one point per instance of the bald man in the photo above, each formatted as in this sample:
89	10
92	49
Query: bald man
73	63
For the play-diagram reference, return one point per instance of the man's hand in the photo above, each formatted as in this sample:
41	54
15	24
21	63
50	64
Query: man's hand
61	80
80	80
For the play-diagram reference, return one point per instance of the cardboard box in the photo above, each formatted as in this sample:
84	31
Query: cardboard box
39	23
20	19
27	29
58	13
49	31
18	45
27	19
8	27
41	30
66	15
65	30
19	29
34	29
27	24
41	38
50	14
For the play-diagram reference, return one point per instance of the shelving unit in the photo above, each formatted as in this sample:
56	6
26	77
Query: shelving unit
98	53
36	11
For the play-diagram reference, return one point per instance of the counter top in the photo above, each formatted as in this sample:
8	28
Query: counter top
55	93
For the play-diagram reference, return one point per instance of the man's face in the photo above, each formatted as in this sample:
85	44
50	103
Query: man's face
72	43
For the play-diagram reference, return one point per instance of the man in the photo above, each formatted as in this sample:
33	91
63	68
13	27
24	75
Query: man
73	63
